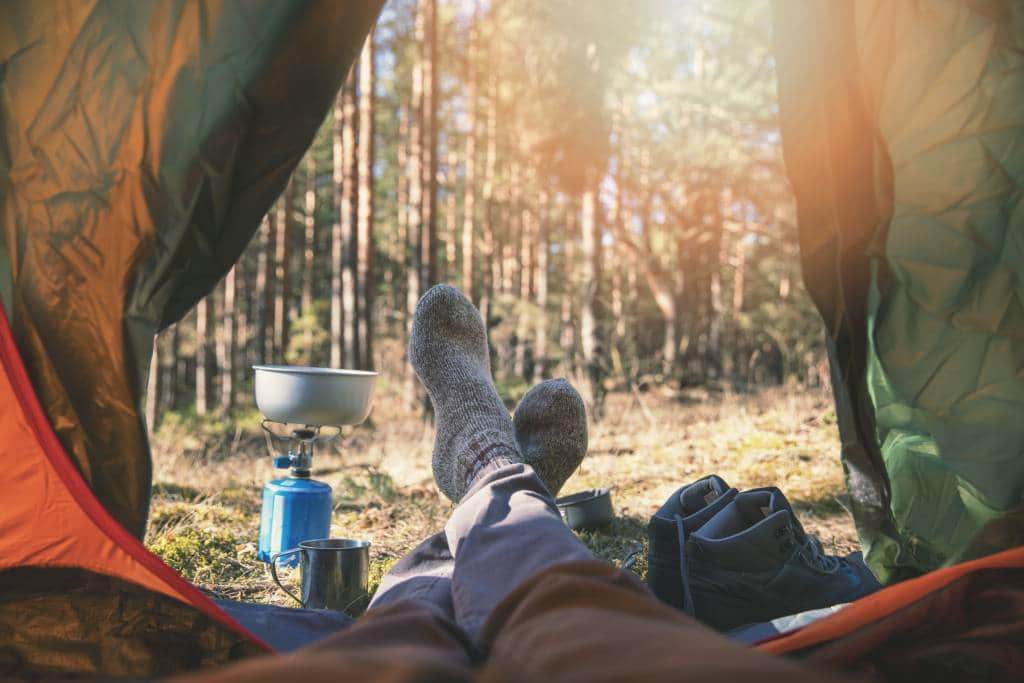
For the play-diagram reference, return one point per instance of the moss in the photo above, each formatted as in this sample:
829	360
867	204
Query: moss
378	570
175	491
169	515
617	541
203	555
240	498
166	517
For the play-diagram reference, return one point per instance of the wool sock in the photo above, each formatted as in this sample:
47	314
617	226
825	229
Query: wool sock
448	351
551	428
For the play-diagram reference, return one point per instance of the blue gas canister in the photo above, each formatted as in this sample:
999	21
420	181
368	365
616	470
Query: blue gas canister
295	508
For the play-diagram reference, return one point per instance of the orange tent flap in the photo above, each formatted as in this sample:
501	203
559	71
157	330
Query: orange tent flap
50	517
886	602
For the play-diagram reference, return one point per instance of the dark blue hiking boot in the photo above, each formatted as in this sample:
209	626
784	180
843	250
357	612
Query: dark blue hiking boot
753	562
685	511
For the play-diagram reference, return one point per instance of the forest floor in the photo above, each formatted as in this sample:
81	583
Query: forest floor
208	476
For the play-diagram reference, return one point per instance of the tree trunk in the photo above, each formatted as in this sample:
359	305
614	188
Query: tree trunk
153	388
540	350
426	33
590	314
171	373
309	244
512	276
400	250
202	376
415	267
451	218
364	232
567	336
265	287
349	211
491	277
226	344
282	278
469	196
732	354
525	280
243	308
337	331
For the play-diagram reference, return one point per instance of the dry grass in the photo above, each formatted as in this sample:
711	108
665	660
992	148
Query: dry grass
205	514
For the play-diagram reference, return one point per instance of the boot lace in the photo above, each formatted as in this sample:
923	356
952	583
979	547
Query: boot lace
815	555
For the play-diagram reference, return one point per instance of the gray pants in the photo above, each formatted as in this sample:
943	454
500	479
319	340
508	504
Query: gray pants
483	552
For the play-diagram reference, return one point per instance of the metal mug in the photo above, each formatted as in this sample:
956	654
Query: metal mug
333	573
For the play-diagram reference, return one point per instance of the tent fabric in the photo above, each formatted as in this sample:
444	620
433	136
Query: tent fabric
972	609
68	567
101	626
903	125
140	144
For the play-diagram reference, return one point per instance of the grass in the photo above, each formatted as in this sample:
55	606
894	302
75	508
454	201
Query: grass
209	474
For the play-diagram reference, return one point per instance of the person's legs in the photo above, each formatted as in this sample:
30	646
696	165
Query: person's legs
406	640
504	531
589	621
424	574
549	422
524	588
475	439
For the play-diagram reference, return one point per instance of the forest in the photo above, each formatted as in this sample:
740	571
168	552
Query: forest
603	179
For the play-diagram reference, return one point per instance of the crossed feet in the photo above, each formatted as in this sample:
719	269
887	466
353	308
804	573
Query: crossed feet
448	351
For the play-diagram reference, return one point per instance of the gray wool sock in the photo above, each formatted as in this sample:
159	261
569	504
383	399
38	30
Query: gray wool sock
551	428
448	350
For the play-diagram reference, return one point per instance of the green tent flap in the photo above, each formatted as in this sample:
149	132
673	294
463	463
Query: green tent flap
141	143
913	250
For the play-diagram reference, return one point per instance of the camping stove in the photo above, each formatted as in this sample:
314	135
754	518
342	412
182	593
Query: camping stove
298	508
295	508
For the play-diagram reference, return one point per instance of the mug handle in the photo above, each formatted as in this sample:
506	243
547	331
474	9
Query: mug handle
273	572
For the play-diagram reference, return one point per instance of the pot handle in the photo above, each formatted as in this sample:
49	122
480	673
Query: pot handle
273	572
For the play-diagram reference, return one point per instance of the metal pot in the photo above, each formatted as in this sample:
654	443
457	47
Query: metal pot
589	509
313	396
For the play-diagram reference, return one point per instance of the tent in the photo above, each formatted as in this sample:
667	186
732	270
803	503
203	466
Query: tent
903	135
140	143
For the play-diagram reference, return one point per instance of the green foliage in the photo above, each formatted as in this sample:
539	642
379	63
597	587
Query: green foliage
378	570
172	491
201	555
308	339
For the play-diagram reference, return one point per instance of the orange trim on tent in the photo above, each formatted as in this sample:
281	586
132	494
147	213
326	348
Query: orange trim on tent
50	517
885	602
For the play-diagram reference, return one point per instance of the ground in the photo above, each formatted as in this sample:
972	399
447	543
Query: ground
208	476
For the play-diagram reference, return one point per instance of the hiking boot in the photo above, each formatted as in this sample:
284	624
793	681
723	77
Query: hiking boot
685	511
752	562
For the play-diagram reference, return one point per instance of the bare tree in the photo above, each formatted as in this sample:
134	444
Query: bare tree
226	344
568	337
451	217
415	267
540	350
153	388
469	159
309	243
426	37
349	211
364	231
282	256
265	288
337	332
590	277
202	350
